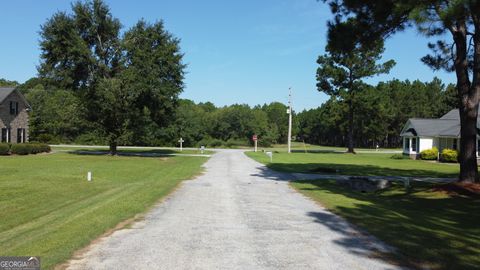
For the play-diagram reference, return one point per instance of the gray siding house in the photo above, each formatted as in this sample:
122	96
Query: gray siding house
421	134
14	110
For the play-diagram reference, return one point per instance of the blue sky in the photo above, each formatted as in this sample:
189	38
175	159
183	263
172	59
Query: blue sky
247	51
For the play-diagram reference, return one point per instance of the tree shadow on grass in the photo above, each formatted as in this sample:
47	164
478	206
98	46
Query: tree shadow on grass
126	152
355	169
434	232
319	151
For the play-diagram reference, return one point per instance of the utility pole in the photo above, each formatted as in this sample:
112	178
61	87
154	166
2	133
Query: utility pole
289	111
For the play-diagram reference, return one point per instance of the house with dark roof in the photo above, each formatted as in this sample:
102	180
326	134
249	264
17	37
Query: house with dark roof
421	134
14	110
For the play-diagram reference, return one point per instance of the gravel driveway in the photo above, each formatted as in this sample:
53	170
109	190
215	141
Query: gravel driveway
238	215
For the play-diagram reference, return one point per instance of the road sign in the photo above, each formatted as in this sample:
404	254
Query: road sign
255	139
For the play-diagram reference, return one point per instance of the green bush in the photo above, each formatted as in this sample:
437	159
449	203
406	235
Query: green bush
233	143
45	148
399	156
91	138
209	142
4	149
21	149
51	139
29	148
430	154
449	155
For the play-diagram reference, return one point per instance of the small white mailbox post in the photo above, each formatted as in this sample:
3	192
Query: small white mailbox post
270	155
181	144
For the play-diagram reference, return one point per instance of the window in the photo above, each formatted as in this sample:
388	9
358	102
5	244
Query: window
414	144
4	135
407	144
13	108
454	144
20	135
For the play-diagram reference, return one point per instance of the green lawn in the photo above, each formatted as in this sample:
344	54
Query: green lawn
427	228
48	209
358	164
300	147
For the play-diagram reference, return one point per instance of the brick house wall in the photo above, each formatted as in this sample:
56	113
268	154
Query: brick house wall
12	121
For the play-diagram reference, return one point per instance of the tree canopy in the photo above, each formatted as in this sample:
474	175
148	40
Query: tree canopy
341	75
125	83
455	24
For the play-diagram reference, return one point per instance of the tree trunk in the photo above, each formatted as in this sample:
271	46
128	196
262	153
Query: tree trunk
113	148
350	127
468	146
468	102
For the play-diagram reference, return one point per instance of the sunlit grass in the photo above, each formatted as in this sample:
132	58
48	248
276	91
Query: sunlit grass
48	209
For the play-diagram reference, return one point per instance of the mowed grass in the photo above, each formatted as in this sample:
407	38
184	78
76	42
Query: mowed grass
300	147
428	228
48	209
365	164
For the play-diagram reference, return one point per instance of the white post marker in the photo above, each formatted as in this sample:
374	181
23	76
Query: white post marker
202	149
181	143
89	176
270	155
255	139
289	111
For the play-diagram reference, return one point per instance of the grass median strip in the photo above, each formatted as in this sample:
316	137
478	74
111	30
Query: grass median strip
49	209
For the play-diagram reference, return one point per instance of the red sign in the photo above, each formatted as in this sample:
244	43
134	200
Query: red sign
254	137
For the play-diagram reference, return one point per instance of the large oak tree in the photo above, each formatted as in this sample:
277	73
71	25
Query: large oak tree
125	83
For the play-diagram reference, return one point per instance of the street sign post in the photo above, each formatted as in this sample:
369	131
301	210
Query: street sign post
181	144
255	139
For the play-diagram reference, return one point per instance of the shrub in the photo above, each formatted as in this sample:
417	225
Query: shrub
45	148
29	148
398	156
449	155
232	143
4	149
91	138
49	138
21	149
265	142
430	154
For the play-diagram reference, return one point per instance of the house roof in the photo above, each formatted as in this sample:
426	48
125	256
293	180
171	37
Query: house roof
6	91
432	127
446	126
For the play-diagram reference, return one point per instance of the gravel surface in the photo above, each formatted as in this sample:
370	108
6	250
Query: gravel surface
238	215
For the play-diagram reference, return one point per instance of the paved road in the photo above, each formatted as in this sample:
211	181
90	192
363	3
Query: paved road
238	215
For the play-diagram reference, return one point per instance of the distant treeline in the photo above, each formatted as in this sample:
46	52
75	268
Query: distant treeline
381	112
